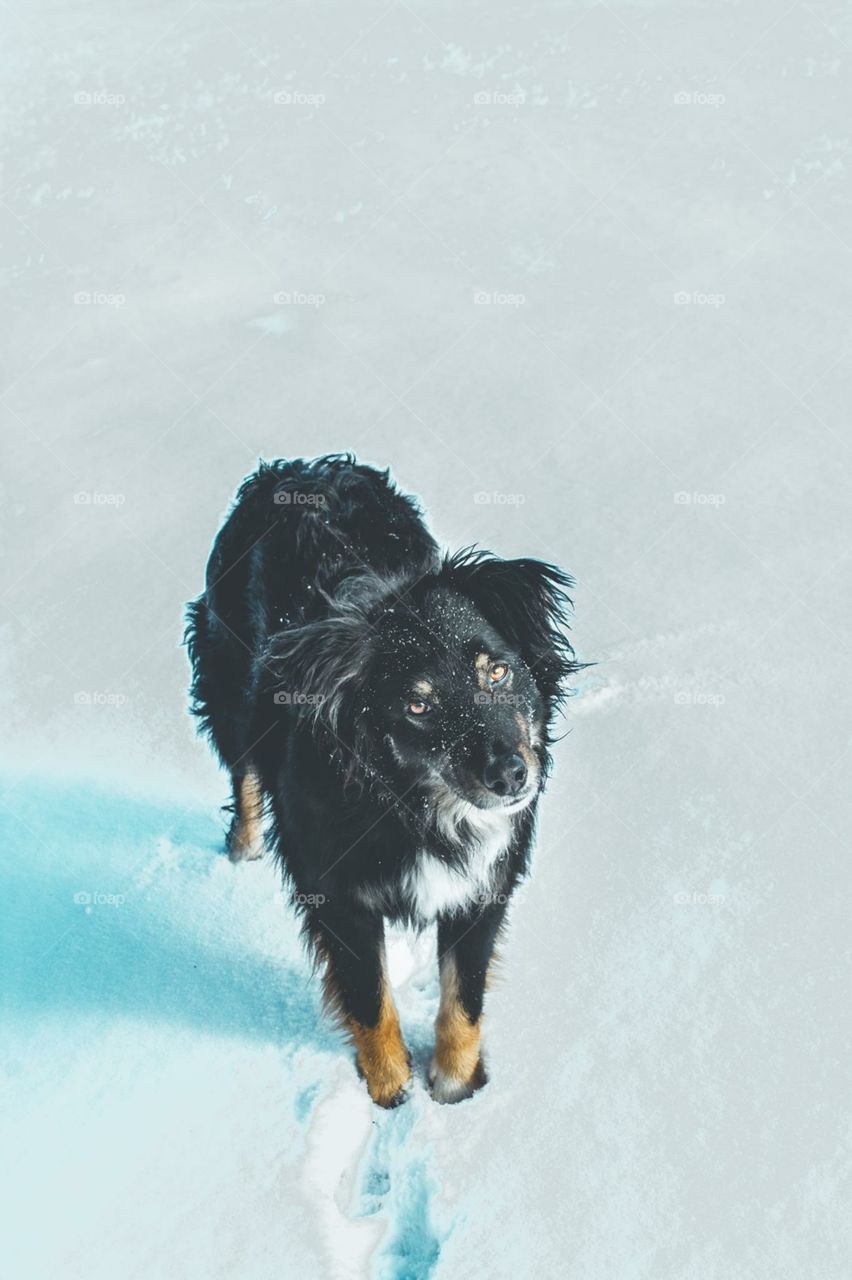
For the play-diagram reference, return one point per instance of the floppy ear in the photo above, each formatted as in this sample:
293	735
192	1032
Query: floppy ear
527	602
317	671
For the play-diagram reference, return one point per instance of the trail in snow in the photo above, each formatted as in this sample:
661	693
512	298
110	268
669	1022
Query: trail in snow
154	994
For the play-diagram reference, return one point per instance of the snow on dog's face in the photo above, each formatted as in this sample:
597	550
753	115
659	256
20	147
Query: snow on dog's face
455	703
449	683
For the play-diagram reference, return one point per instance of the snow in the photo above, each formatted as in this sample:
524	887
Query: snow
161	1005
579	275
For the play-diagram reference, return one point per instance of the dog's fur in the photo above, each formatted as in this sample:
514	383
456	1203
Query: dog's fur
391	709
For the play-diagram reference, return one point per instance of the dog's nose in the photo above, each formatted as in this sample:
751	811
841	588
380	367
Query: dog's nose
505	775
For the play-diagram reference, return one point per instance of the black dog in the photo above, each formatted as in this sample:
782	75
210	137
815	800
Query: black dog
393	709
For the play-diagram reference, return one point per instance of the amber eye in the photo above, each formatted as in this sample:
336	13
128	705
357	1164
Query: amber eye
498	672
417	707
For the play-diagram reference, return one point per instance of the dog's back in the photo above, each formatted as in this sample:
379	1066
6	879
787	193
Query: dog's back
296	531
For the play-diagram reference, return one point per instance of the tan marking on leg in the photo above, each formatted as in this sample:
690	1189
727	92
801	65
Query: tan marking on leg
380	1050
457	1065
382	1055
246	839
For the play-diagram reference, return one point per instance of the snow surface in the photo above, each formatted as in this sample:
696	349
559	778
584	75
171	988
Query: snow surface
655	199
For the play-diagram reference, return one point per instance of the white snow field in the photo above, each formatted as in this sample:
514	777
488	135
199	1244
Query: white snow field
581	274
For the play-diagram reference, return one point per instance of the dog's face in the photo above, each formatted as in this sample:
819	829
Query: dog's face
451	681
455	703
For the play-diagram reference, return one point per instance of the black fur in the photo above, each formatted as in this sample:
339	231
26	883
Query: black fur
327	605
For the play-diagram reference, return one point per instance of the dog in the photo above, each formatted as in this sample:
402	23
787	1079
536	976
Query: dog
388	710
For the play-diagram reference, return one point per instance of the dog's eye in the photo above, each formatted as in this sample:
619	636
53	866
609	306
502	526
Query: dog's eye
498	672
417	707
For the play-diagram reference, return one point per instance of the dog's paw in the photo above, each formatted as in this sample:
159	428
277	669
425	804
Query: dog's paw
249	852
396	1099
243	847
388	1083
388	1091
446	1087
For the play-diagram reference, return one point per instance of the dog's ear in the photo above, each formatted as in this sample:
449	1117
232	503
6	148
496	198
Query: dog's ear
317	671
527	602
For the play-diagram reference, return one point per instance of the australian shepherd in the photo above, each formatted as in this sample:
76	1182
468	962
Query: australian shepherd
387	710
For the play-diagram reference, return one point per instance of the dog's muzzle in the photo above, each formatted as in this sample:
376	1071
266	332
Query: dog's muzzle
505	775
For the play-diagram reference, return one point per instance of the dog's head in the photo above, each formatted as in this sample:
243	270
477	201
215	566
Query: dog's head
450	683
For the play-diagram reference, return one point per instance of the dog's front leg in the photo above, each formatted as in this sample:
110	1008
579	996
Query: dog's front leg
352	945
465	950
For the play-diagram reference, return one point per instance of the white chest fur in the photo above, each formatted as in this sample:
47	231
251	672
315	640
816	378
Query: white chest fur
435	888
